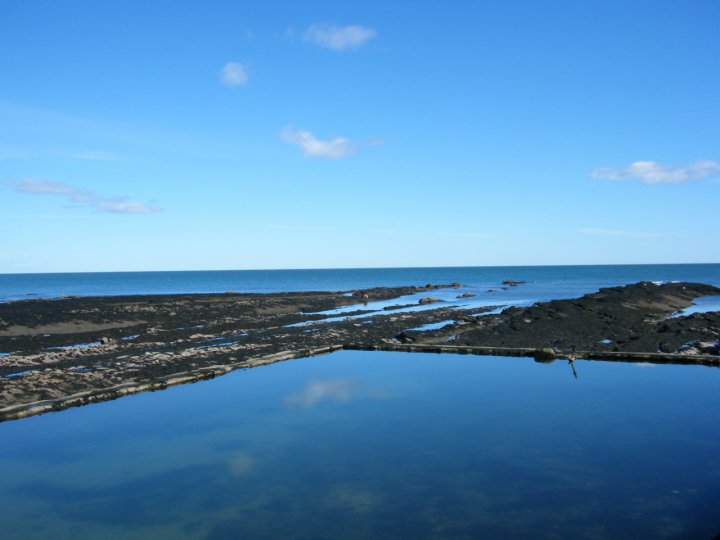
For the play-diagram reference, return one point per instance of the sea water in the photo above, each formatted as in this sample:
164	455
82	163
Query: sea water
379	445
541	282
386	445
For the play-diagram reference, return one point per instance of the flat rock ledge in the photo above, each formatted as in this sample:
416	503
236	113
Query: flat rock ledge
87	397
69	352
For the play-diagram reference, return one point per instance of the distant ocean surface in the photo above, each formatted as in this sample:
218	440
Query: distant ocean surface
542	282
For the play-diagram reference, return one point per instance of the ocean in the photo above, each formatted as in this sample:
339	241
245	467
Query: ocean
541	282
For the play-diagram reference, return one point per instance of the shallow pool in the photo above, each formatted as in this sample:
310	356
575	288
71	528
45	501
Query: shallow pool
379	445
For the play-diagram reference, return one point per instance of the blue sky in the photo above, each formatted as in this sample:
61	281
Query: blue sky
235	135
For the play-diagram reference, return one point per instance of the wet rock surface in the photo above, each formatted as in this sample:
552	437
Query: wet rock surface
634	318
62	347
103	347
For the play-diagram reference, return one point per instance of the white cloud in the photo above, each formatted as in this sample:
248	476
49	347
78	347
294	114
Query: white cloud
113	205
651	172
120	205
45	187
338	38
597	231
233	74
335	148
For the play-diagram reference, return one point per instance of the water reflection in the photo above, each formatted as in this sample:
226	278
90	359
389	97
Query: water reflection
354	498
336	390
379	445
572	365
316	391
571	361
241	464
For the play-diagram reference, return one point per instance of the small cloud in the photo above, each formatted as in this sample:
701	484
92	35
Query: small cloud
338	38
335	148
315	392
597	231
120	205
233	74
74	195
45	187
651	172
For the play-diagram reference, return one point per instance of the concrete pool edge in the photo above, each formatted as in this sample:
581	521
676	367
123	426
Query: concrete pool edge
20	411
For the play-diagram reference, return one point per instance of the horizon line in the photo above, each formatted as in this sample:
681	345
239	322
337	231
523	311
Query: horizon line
352	268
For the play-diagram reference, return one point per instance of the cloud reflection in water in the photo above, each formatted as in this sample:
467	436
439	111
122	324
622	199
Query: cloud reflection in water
337	390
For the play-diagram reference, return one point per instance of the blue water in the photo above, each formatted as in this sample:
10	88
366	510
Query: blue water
700	305
542	282
379	445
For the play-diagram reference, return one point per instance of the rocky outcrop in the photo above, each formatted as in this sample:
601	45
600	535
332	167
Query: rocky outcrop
632	318
104	347
80	350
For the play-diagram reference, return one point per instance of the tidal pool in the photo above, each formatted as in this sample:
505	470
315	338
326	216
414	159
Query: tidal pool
379	445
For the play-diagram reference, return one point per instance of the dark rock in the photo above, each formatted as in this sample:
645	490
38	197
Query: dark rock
176	334
545	355
636	317
403	337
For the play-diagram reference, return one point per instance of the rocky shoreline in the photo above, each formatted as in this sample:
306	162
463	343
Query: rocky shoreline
73	351
637	318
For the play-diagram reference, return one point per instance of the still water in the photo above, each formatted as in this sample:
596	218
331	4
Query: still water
379	445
